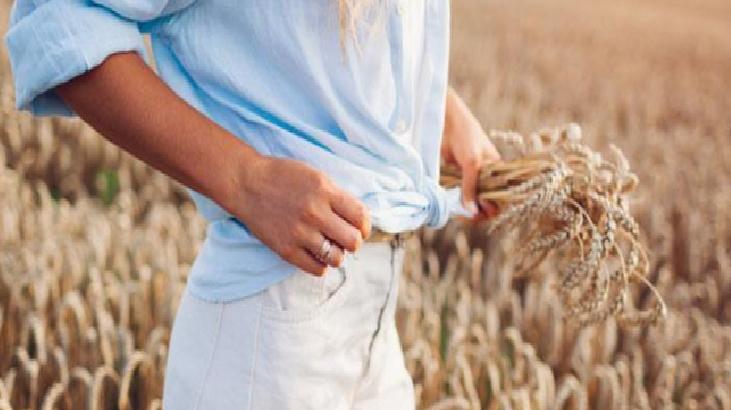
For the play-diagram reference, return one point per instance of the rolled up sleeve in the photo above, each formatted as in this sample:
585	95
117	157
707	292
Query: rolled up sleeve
59	40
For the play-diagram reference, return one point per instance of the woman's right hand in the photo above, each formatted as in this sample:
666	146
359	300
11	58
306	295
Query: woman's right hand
288	205
292	207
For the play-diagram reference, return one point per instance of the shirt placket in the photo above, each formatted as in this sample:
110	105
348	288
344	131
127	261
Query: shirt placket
402	120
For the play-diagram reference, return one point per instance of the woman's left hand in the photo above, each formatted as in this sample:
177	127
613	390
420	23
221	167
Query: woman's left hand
466	145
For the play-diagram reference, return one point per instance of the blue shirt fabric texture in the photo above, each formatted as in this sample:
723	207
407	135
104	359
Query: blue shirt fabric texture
274	73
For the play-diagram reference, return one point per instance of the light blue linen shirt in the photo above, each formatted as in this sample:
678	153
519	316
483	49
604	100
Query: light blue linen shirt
273	73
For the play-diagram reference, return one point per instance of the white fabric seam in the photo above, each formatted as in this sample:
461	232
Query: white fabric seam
255	354
199	396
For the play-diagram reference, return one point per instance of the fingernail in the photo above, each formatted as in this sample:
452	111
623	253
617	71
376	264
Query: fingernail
472	207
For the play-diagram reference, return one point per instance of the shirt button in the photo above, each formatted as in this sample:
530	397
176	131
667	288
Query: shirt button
401	126
401	7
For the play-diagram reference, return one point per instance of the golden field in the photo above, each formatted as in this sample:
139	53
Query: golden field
95	247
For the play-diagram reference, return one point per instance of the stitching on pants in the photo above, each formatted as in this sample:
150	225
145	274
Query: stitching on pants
199	396
256	353
385	304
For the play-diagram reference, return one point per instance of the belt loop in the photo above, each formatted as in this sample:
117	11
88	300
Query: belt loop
399	239
396	241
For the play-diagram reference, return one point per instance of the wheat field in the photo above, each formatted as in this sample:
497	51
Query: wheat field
95	247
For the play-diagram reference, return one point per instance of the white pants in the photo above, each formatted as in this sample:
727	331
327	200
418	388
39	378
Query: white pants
303	343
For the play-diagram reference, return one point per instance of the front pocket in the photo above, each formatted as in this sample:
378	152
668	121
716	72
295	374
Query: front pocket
302	297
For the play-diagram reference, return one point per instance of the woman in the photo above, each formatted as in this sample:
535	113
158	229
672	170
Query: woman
298	126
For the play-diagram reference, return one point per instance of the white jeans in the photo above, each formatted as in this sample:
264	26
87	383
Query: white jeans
303	343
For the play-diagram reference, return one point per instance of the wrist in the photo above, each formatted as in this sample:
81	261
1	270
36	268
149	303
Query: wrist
242	166
454	116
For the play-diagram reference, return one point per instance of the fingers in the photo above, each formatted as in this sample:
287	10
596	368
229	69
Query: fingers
352	211
335	255
306	261
342	232
470	172
488	210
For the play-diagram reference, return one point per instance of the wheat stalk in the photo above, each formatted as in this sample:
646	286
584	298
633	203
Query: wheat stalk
568	202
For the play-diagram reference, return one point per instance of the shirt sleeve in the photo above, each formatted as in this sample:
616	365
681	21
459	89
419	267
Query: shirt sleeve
50	42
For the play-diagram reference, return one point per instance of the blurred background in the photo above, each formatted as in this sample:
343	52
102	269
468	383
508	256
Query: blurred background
95	246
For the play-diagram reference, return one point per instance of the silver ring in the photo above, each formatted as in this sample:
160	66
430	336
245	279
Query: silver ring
325	249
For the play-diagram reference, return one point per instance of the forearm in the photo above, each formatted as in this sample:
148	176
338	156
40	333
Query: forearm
126	102
290	206
455	112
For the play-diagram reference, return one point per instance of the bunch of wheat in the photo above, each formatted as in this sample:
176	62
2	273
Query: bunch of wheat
567	201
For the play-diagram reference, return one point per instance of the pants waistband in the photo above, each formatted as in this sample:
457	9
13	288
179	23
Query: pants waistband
396	239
